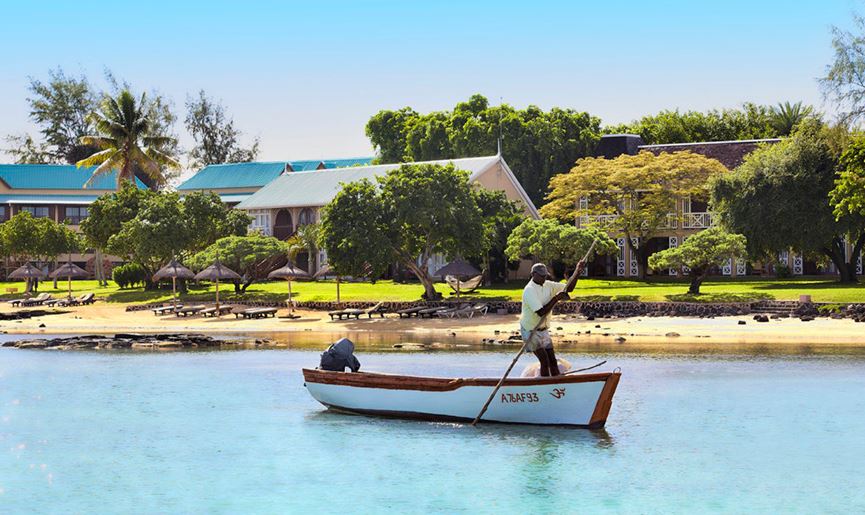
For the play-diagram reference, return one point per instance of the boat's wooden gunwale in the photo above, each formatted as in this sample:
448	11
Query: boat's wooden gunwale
439	384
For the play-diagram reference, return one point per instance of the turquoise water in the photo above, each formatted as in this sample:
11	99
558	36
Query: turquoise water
236	432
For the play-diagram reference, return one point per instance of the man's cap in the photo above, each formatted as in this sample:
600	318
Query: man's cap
540	268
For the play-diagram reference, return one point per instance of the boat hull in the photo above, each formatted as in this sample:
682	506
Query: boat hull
574	400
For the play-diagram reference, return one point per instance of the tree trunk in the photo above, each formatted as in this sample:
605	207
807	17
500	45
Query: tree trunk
697	278
642	255
854	256
846	273
55	278
421	273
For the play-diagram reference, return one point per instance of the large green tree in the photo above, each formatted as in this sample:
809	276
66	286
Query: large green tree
844	82
550	241
126	135
848	196
153	227
414	212
779	199
751	121
632	195
216	138
537	144
58	107
24	238
699	253
243	254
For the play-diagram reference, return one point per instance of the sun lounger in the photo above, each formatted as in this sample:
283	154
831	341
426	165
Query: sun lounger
409	312
87	298
469	311
450	312
17	302
163	310
257	313
212	311
347	313
189	311
36	301
431	312
51	302
378	309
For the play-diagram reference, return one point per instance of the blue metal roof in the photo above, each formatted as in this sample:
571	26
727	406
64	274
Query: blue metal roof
56	177
305	166
48	199
347	163
257	174
234	175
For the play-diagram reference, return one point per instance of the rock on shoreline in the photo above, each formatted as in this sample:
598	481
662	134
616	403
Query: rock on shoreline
131	341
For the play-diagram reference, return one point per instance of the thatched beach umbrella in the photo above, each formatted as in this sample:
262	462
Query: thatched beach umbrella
288	272
28	272
68	270
175	271
215	272
458	268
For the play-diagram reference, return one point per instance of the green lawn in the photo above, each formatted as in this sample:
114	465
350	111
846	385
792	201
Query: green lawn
821	289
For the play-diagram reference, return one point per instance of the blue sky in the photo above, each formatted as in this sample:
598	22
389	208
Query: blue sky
306	76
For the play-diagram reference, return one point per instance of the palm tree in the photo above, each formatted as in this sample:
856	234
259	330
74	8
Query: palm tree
126	140
305	238
786	116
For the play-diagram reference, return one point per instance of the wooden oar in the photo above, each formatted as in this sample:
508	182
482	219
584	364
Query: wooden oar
571	281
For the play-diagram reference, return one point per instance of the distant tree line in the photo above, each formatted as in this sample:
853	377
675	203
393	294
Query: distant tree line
66	109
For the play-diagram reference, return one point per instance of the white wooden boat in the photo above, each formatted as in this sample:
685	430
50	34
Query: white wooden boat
578	400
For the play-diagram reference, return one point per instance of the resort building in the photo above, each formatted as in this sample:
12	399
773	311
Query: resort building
56	192
236	182
295	199
691	214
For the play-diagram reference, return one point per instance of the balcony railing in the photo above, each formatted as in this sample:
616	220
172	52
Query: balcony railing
605	220
697	220
602	220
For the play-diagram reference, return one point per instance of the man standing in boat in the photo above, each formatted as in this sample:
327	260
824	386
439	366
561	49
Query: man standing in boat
539	298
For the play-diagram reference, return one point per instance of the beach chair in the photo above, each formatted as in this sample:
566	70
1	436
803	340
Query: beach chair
163	310
36	301
378	309
52	302
470	311
454	311
238	311
87	298
212	311
348	313
17	302
189	311
409	312
260	313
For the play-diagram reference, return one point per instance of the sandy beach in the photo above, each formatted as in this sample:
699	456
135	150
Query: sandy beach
637	333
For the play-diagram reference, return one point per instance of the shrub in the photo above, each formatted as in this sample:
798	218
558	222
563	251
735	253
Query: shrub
782	271
129	275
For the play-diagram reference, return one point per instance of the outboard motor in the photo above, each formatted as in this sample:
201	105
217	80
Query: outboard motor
339	356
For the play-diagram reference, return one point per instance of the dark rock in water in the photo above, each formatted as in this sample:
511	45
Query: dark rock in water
590	318
806	318
620	339
761	318
742	322
129	341
672	335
